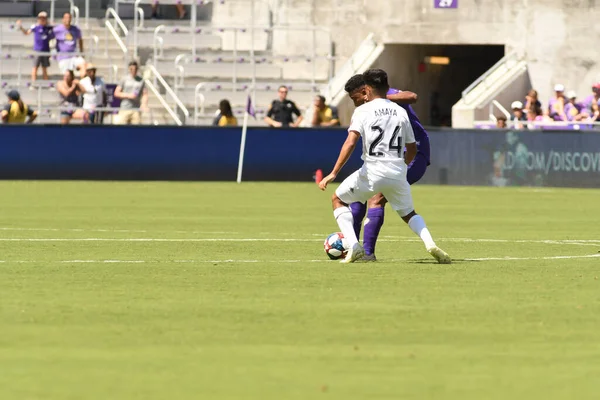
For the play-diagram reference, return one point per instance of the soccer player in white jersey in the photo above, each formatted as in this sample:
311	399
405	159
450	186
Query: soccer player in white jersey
385	130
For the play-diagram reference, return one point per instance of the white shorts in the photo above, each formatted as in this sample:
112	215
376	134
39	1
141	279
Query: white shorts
359	187
70	64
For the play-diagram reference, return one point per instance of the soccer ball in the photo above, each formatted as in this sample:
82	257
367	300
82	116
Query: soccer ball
336	246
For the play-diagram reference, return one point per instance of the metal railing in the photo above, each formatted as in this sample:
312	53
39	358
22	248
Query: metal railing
483	79
30	55
112	28
500	107
352	66
152	72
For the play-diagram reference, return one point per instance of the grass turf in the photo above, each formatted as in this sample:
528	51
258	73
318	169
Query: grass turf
166	317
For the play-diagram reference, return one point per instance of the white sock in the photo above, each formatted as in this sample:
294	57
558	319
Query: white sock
345	221
417	224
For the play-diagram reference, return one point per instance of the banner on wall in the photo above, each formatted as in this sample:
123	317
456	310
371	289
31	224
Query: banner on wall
445	3
515	158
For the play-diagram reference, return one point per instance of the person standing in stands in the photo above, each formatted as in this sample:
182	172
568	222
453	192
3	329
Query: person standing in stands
134	97
94	95
225	115
67	38
42	34
324	115
282	110
17	112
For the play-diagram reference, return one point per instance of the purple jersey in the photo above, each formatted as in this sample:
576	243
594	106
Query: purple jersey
66	40
420	133
42	34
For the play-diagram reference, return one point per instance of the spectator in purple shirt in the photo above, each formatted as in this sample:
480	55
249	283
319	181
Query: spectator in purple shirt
67	37
591	102
574	110
556	105
42	34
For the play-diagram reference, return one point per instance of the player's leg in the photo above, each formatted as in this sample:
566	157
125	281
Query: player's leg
353	189
416	169
359	210
373	224
400	198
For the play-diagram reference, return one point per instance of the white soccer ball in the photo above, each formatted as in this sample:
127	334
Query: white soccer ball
336	246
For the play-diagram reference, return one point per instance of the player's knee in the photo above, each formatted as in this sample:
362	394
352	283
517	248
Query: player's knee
337	202
406	215
377	201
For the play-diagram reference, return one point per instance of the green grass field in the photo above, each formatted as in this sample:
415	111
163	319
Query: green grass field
220	291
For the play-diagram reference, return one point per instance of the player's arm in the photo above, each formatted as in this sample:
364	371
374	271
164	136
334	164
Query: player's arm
403	97
345	153
409	142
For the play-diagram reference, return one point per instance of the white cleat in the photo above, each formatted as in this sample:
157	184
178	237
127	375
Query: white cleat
355	253
368	258
440	255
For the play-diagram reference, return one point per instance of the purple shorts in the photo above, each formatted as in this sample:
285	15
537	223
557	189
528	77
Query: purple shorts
416	169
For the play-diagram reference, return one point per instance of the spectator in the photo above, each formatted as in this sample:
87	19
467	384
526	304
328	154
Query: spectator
556	105
134	97
67	38
532	104
180	9
225	115
518	117
17	112
591	102
282	110
69	90
94	95
501	122
42	34
573	109
324	115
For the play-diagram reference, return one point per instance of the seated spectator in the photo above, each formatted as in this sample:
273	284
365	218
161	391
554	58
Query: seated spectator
69	90
518	116
556	105
225	115
94	95
180	9
532	104
17	112
501	122
590	103
282	110
67	38
573	109
42	34
134	97
324	115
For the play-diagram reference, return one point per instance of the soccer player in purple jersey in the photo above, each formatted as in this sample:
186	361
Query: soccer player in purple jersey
416	169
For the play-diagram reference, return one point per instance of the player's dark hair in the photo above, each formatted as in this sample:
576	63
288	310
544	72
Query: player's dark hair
322	98
354	83
378	80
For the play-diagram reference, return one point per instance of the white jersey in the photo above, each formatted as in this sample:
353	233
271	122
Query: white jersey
385	129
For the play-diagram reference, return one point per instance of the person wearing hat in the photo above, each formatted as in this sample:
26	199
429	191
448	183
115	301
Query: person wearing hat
518	116
94	94
574	109
17	112
556	105
42	34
